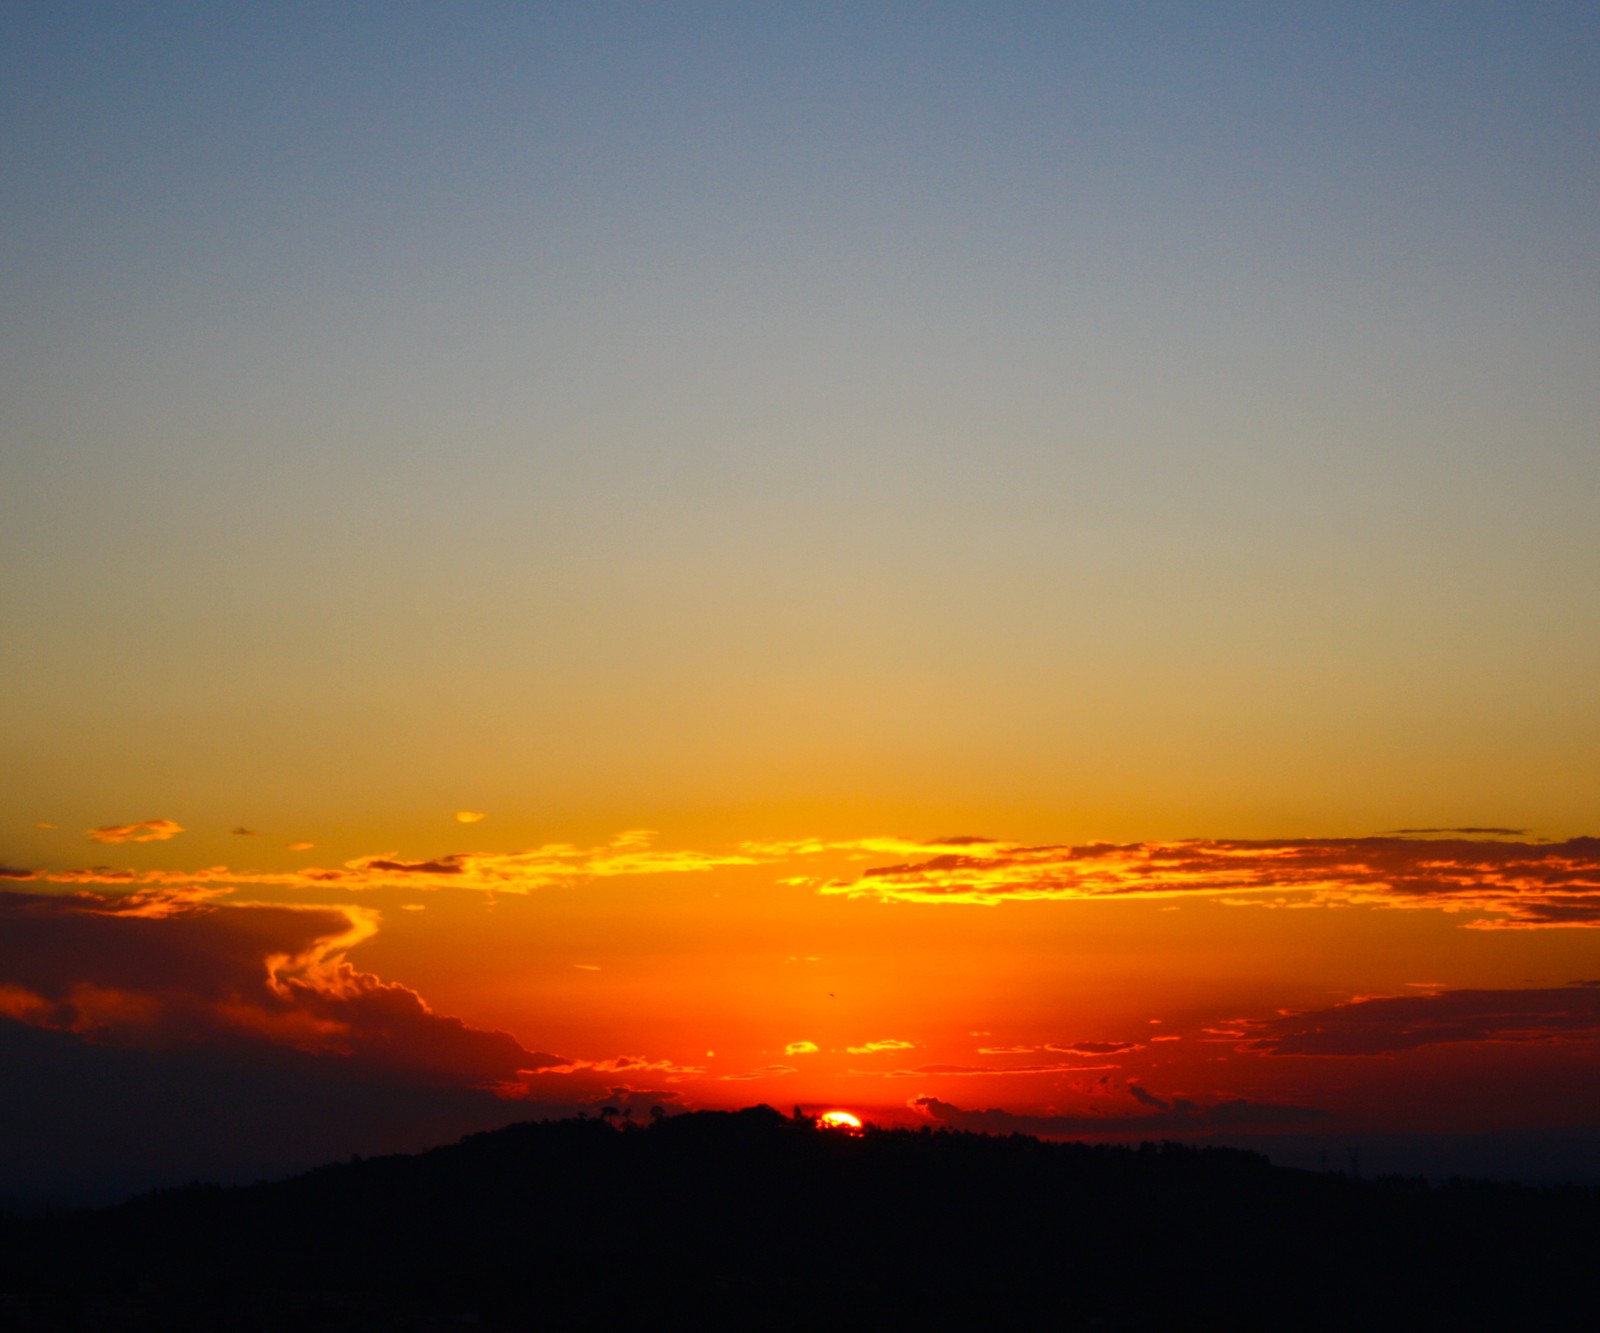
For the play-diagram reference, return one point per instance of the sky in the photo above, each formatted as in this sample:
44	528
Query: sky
1008	565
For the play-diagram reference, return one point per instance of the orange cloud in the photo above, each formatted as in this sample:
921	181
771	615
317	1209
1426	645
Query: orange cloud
1528	884
146	830
988	1071
501	872
470	816
888	1044
801	1048
1504	884
1071	1048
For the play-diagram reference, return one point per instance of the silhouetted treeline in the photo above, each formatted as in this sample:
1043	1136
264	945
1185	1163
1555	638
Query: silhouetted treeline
757	1220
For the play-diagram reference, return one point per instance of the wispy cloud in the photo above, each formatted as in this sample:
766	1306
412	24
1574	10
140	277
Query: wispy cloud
1500	883
146	830
500	872
1527	884
987	1071
1069	1048
800	1048
887	1044
1162	1117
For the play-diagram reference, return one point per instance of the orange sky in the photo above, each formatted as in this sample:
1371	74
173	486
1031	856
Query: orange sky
1429	982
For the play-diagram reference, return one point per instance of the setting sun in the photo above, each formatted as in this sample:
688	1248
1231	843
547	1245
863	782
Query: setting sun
839	1120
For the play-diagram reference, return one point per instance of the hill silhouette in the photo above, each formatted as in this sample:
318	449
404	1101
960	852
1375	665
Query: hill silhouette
753	1219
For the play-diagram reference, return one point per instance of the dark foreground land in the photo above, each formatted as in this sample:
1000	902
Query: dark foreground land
752	1220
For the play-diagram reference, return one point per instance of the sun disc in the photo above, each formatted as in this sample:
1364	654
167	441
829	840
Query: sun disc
841	1120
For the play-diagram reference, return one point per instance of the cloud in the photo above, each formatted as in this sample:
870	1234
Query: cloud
1384	1025
1527	885
1470	831
619	1064
887	1044
1144	1098
800	1048
1071	1048
146	830
501	872
985	1071
1166	1118
470	816
152	1037
1498	883
243	832
162	968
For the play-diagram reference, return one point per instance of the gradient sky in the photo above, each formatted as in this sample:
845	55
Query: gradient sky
812	433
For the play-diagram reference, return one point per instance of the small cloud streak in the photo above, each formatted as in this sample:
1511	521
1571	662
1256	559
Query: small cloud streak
470	816
888	1044
1086	1048
801	1048
987	1071
1178	1116
146	830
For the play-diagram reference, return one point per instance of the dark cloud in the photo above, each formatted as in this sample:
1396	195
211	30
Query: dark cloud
161	970
1178	1116
1469	830
135	1013
1097	1047
243	832
984	1071
445	865
1144	1098
1385	1025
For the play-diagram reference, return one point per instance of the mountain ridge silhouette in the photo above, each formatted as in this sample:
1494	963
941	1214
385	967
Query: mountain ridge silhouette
756	1219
